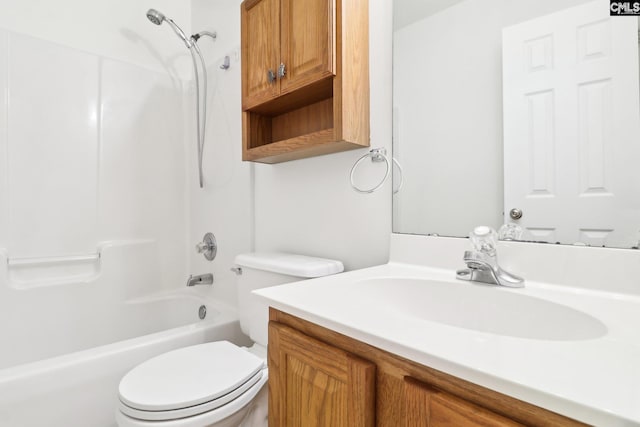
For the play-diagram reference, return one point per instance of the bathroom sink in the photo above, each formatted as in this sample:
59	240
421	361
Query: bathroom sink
479	307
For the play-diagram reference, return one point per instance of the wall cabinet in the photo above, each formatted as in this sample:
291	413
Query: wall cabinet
305	78
331	378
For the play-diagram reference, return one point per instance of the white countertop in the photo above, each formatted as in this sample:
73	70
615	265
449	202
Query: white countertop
596	381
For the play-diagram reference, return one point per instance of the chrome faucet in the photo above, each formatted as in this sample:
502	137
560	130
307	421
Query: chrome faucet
482	262
202	279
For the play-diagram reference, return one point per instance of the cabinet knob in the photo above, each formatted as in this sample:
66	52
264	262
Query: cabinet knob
271	76
515	213
282	71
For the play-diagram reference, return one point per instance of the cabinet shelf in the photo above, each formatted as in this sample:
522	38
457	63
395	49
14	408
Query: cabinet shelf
304	132
292	148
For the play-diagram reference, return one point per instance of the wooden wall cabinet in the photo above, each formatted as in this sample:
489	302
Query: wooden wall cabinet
328	377
305	78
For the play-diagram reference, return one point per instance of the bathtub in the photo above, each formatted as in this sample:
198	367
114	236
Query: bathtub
75	383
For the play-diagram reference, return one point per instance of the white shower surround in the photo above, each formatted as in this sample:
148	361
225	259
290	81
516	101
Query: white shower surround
94	219
91	150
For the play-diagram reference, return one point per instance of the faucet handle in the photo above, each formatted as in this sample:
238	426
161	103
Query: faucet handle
208	246
202	247
484	240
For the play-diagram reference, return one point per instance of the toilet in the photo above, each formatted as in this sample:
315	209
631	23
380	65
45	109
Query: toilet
217	383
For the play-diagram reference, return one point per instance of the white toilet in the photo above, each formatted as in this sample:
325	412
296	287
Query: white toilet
217	383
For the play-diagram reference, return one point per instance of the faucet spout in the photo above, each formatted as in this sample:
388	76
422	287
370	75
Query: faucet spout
202	279
485	269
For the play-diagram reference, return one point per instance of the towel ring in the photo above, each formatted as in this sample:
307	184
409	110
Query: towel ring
400	173
377	155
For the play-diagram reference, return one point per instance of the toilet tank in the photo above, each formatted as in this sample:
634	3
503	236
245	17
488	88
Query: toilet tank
265	269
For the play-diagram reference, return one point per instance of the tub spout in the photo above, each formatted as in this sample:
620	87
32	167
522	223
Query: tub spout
202	279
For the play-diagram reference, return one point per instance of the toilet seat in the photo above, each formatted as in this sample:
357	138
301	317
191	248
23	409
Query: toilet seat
191	381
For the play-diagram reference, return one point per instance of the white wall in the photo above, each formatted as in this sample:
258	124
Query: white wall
308	206
448	110
406	12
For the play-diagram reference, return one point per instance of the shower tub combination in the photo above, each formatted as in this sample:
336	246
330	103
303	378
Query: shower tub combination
60	365
72	326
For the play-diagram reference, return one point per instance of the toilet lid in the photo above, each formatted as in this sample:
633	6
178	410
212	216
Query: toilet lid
188	376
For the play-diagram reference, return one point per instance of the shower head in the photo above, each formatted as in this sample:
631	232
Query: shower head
155	16
158	18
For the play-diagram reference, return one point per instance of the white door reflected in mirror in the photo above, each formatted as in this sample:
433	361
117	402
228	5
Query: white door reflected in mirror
531	105
572	126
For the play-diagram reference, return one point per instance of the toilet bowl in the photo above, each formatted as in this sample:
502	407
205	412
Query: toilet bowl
218	383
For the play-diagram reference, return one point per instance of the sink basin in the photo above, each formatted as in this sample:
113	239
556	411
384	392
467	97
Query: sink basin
479	307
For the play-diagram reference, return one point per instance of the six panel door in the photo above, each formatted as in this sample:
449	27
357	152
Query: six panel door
571	124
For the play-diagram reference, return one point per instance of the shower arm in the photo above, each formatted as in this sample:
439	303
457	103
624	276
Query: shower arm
196	36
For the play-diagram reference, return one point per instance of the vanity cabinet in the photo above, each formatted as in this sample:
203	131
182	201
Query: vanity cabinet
327	376
315	384
305	78
426	406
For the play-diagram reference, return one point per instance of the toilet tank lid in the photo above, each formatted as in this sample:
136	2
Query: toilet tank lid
290	264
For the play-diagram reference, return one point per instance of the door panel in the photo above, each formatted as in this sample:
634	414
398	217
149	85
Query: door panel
314	384
428	407
308	45
260	21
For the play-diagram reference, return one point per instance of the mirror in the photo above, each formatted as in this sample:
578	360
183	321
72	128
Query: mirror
517	112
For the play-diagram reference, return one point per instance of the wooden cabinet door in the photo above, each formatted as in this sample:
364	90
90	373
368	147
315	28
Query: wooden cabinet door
308	29
428	407
260	26
313	384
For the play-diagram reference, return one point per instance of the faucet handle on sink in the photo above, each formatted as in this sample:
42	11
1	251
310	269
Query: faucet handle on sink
484	240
